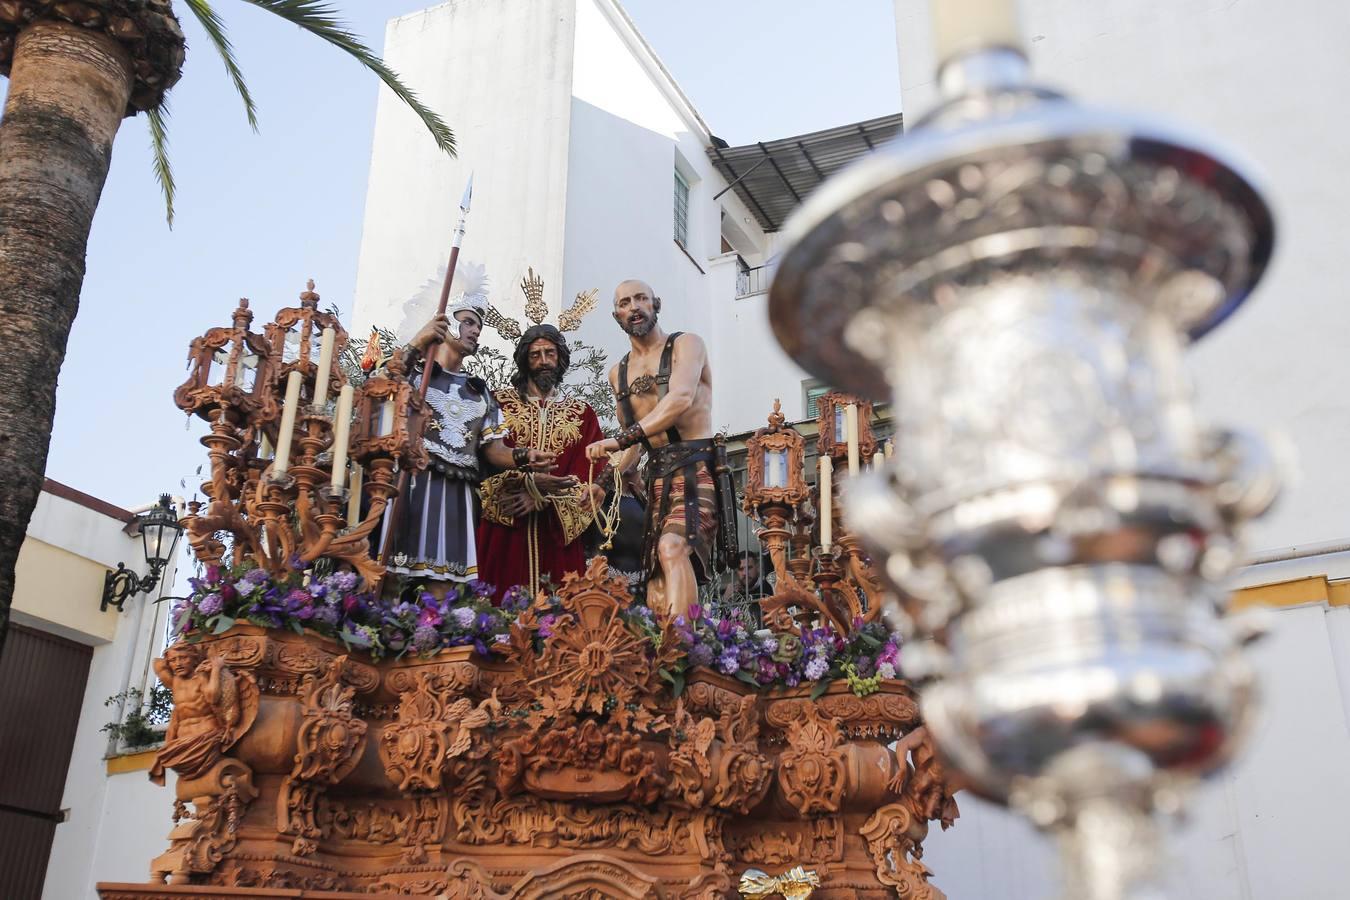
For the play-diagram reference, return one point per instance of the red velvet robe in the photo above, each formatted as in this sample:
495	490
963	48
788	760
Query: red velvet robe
552	534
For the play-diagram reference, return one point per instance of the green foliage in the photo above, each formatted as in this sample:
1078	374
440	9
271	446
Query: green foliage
319	18
143	725
159	146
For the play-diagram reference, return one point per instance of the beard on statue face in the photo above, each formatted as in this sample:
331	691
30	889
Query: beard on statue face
545	378
638	323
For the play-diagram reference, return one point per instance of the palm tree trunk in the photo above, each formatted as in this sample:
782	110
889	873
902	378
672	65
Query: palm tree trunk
68	93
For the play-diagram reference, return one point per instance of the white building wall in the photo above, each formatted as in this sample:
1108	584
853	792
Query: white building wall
631	128
574	130
500	75
1264	77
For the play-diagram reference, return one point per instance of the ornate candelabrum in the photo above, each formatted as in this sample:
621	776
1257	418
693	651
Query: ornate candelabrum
279	483
834	583
1021	275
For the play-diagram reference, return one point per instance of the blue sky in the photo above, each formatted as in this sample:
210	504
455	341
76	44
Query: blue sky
258	214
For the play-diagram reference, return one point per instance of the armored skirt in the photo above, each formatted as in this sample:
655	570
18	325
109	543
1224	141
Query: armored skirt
436	537
690	494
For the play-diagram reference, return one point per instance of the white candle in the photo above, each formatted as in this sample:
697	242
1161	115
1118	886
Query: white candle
265	450
890	449
962	26
287	430
342	429
354	501
826	504
325	367
386	418
851	435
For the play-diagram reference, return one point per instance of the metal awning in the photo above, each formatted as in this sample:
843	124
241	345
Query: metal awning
773	177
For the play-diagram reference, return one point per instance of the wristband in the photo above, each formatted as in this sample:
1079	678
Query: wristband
520	457
630	435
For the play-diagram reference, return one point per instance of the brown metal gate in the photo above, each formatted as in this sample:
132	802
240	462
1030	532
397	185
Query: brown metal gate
42	679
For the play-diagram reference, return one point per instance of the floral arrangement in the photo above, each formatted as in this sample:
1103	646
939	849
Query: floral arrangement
733	646
333	606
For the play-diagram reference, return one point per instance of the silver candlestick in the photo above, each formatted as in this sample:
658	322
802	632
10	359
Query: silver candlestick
1020	275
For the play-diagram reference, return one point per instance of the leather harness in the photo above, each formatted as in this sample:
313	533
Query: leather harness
677	455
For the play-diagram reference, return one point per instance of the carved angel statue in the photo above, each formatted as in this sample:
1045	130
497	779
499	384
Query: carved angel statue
212	708
797	883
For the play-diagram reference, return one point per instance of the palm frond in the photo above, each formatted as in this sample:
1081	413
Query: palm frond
215	31
159	145
320	19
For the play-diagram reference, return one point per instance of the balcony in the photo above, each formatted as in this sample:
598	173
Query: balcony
751	281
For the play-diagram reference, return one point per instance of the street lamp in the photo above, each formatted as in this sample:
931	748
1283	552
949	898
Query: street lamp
160	529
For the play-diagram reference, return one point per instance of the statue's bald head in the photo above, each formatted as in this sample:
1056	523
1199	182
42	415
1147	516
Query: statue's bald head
631	288
636	306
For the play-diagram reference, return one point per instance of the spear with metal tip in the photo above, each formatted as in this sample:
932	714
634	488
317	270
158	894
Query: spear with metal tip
396	511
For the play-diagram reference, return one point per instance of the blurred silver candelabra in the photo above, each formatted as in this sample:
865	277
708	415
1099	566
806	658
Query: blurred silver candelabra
1020	276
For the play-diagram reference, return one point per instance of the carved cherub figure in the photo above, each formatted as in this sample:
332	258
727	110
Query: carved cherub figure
212	708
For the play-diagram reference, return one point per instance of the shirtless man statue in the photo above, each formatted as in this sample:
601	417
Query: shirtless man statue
663	386
212	708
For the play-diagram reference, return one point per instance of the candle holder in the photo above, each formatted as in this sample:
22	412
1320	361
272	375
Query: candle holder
1021	275
286	510
828	577
293	340
830	438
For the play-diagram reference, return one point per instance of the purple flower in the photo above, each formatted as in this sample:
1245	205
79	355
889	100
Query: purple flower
701	655
516	598
791	679
318	590
695	612
463	616
481	588
425	638
546	623
327	616
729	663
429	617
213	574
886	670
816	669
501	638
255	577
480	647
769	645
210	605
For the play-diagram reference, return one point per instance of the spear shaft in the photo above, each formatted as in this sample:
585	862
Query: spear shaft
396	510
